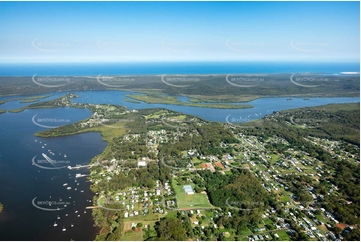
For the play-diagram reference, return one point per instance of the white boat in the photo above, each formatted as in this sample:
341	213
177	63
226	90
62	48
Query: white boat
72	225
84	211
65	184
42	147
76	211
55	224
64	229
78	215
58	217
76	189
79	175
64	156
66	215
82	191
68	188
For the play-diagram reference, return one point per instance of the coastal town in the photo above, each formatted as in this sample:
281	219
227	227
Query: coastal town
160	165
180	197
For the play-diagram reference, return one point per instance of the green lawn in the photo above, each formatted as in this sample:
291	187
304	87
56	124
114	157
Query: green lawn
274	158
246	232
283	235
132	236
268	221
189	201
285	199
171	214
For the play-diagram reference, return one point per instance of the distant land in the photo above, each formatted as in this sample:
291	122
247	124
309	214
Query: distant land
199	88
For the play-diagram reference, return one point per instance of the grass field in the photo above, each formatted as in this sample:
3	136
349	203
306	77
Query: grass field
190	201
274	158
132	236
283	235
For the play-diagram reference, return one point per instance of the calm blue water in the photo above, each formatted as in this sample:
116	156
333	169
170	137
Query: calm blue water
262	106
158	68
22	182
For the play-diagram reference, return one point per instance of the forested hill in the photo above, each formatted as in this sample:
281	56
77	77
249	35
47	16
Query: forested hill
333	121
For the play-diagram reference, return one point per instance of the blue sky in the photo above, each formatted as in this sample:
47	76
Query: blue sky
39	32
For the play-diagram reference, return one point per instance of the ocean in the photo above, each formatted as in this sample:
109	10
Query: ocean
159	68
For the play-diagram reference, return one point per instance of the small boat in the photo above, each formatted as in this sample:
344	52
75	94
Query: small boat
77	184
68	188
78	215
58	217
65	184
55	224
84	211
42	146
76	189
66	215
72	225
64	229
82	191
76	211
64	156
